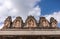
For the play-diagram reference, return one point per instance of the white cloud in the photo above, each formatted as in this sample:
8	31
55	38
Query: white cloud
8	4
1	25
36	12
18	8
24	7
56	15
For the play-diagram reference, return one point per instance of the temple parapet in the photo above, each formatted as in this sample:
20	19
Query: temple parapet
30	23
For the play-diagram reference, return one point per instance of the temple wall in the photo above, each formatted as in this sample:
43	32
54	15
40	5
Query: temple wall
30	23
29	37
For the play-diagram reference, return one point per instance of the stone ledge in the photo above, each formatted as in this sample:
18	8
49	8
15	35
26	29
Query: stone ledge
31	32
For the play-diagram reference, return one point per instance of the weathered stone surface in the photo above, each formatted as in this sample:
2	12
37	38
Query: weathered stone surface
43	22
17	23
17	33
30	22
53	22
7	22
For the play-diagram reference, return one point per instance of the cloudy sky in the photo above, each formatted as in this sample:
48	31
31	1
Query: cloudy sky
24	8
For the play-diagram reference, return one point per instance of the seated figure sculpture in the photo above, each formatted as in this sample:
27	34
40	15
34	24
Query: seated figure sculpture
17	23
7	22
43	23
53	22
30	22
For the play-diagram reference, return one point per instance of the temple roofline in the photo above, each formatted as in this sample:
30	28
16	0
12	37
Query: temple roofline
30	32
30	22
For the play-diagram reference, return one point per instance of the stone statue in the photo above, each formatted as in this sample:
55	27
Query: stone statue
53	22
30	22
17	23
43	22
7	22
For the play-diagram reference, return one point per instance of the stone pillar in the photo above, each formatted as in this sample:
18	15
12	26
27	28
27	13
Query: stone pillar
39	37
0	37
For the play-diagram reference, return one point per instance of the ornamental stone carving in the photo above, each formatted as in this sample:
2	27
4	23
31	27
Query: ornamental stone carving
17	23
7	22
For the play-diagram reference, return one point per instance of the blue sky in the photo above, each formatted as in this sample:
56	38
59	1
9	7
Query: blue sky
24	8
49	6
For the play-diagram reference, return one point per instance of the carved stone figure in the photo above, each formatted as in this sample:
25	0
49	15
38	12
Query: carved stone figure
53	22
43	22
30	22
7	22
17	23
